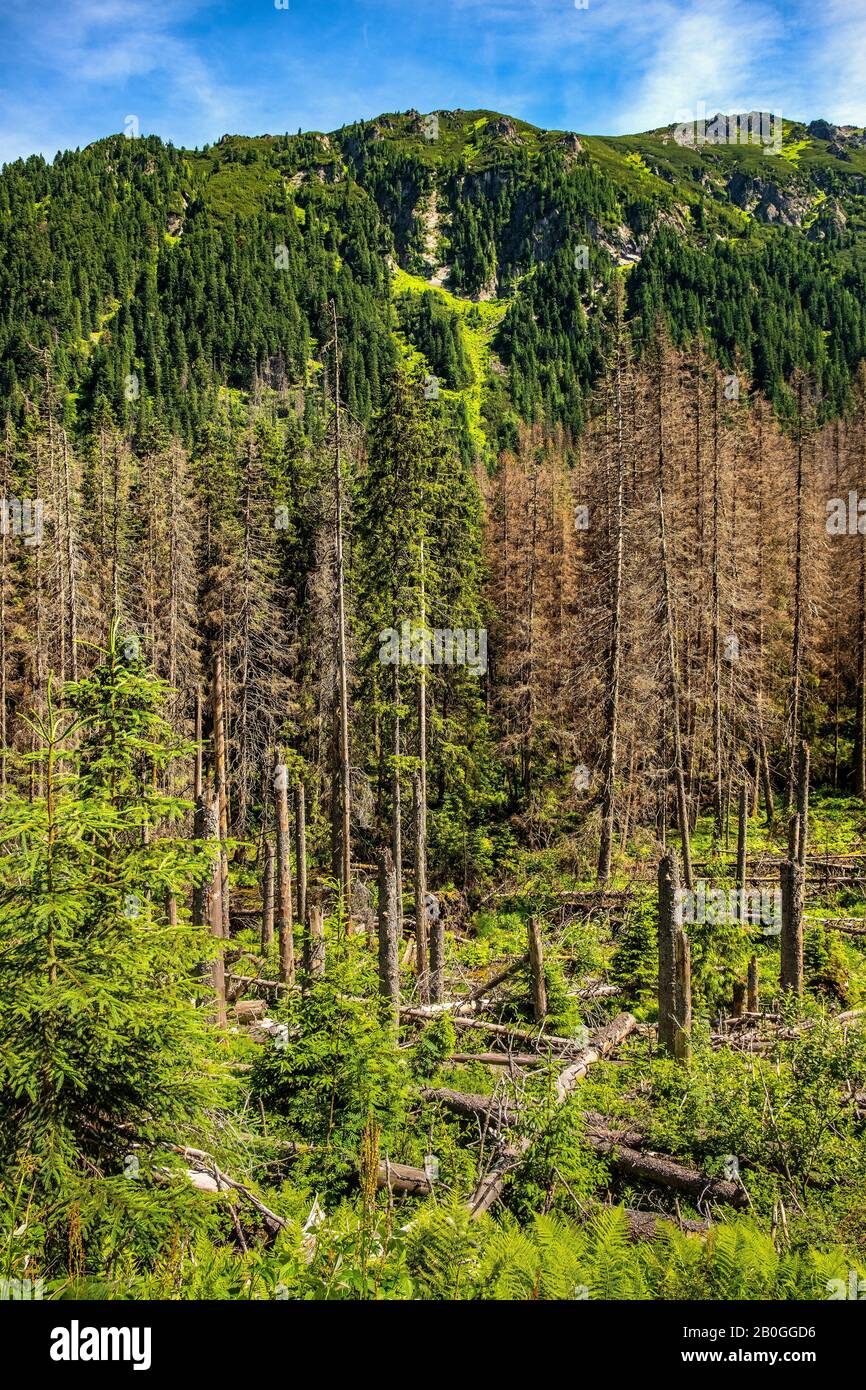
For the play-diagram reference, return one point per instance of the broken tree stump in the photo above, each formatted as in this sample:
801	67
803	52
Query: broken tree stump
536	971
314	944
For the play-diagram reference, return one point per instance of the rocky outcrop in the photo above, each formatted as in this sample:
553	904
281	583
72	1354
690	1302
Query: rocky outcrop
767	201
504	128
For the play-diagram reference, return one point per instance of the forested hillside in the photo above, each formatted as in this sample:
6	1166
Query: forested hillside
433	715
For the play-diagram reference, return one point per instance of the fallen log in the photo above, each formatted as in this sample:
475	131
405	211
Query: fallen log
595	990
510	1030
603	1041
666	1172
473	1106
500	1059
500	1111
398	1177
204	1163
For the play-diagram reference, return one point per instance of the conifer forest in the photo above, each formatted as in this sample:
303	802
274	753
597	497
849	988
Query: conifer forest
433	715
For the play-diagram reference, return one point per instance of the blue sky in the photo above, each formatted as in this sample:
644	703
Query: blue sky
191	70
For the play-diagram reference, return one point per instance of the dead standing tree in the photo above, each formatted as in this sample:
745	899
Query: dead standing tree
793	884
284	876
674	986
673	680
344	765
389	967
206	905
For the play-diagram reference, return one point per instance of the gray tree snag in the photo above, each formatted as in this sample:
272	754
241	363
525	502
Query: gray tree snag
221	787
389	935
206	905
422	968
536	971
284	877
793	882
614	651
792	885
314	944
742	848
673	679
345	772
397	801
674	982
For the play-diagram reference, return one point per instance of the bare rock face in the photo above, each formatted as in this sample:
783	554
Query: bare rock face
505	129
766	201
570	143
840	137
821	130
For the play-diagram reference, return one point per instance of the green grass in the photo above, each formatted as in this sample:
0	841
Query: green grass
477	337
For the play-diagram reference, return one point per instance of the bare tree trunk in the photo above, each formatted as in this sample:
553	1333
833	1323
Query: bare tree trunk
314	943
674	984
301	850
797	638
437	959
718	808
267	897
345	771
536	971
284	877
860	730
742	849
389	965
803	803
753	988
396	803
70	564
614	652
766	780
220	788
198	775
673	680
421	962
206	906
793	886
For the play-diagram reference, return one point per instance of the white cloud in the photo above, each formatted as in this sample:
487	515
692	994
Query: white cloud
711	55
839	87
